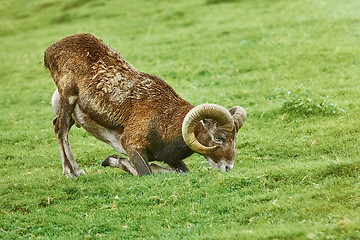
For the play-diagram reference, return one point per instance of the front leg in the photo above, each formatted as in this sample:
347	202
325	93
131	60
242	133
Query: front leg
179	166
139	159
139	166
155	168
122	163
119	162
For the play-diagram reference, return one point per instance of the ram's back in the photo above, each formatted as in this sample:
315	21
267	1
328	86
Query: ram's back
109	89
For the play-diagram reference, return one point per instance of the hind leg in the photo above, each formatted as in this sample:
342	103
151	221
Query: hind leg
122	163
64	105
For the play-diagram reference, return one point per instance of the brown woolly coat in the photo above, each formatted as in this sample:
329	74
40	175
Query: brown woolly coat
140	102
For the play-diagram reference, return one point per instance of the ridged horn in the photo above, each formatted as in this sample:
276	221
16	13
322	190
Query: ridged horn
239	115
221	115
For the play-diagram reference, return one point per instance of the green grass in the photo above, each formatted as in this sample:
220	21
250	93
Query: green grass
293	65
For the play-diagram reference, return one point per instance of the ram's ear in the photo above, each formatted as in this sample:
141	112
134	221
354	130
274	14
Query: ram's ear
239	115
207	124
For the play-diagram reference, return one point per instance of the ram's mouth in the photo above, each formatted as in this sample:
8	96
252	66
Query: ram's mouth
222	165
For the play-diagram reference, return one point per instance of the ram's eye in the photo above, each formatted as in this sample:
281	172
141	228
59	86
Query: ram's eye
219	140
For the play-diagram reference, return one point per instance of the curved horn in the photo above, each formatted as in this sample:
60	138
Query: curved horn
205	111
239	115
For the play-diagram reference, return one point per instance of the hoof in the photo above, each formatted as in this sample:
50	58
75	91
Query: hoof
74	174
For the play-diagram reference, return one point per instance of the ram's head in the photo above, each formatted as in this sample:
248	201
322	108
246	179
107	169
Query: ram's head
215	138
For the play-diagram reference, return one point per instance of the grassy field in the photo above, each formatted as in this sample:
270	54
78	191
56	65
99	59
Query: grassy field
293	65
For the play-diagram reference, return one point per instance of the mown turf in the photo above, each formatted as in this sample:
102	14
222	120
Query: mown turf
293	65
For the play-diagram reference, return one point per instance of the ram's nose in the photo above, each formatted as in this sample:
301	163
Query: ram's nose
226	167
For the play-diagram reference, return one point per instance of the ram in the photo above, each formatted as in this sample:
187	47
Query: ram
138	114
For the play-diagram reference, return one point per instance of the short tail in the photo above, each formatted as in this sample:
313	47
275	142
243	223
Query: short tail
46	62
